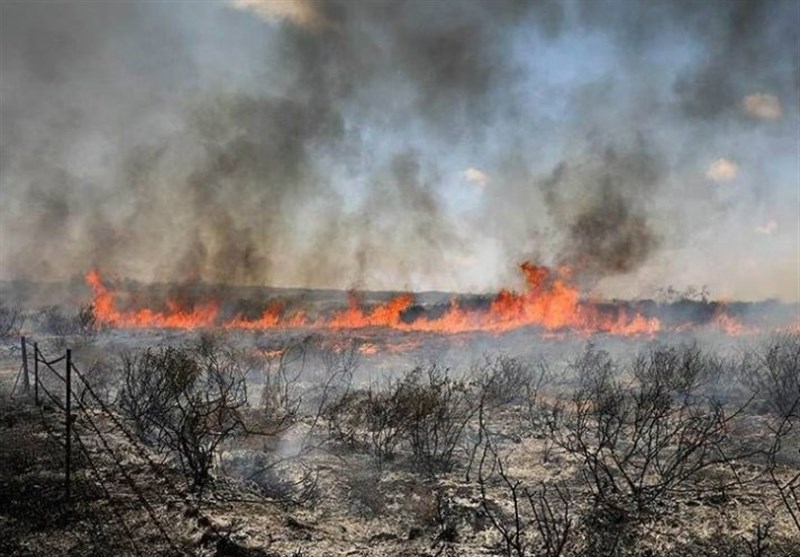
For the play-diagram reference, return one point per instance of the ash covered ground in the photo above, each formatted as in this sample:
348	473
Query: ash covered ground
381	442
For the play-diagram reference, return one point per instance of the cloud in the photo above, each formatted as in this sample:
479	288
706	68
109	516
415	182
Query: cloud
477	177
722	170
768	229
762	106
302	13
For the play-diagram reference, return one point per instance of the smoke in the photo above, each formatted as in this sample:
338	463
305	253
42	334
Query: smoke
608	230
742	41
324	144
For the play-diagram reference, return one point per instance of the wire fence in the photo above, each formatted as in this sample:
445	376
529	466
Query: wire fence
110	453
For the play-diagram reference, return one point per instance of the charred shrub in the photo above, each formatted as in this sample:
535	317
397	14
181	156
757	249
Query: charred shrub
101	378
678	370
11	321
334	378
370	420
346	420
59	322
86	320
287	482
530	520
280	396
434	410
773	374
642	443
509	380
386	422
151	381
54	321
185	402
425	412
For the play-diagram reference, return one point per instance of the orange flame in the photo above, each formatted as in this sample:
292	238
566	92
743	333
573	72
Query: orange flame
383	315
175	317
549	302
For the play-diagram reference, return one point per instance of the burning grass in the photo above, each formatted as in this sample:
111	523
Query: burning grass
550	304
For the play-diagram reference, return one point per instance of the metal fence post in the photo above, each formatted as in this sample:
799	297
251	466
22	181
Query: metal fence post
68	410
36	372
26	381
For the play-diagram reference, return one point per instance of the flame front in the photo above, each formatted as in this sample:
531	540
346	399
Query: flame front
175	317
549	302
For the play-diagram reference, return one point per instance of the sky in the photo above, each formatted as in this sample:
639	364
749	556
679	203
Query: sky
419	145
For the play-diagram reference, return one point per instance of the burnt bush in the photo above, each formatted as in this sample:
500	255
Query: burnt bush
287	482
332	379
346	419
185	402
58	321
773	374
282	369
434	410
642	443
365	495
369	420
424	412
11	321
678	370
508	380
531	519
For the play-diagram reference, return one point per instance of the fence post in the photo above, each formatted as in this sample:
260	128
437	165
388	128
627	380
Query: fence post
36	372
26	381
68	410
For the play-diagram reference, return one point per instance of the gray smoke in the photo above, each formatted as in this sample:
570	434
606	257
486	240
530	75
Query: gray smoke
242	143
609	231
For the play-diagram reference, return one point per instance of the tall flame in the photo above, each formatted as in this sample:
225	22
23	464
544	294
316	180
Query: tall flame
175	317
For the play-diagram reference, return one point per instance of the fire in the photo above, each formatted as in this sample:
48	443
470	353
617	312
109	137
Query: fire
175	317
548	302
383	315
729	324
270	319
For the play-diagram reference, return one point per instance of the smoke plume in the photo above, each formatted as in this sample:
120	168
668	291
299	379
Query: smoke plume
323	144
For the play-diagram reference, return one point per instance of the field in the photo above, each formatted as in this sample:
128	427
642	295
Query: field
373	442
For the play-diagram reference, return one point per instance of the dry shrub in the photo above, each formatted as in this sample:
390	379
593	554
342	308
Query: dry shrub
11	321
185	402
641	444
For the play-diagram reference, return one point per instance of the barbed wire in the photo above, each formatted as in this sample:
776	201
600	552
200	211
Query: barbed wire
83	415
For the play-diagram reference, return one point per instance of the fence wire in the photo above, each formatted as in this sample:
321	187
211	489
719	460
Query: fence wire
88	416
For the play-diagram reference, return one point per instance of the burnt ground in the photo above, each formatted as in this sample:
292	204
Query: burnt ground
316	487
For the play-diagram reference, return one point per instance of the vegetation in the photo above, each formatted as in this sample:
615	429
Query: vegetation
603	456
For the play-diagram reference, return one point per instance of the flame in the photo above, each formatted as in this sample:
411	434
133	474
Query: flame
549	302
271	354
176	317
383	315
729	324
270	319
368	349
